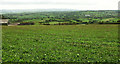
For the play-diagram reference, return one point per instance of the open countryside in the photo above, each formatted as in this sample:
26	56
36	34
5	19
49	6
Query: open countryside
61	36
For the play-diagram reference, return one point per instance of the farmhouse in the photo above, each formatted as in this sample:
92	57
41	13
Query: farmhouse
87	15
4	21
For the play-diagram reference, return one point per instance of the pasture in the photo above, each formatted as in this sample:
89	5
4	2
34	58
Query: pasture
63	43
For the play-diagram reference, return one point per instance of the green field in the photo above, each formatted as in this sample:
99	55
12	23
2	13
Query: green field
64	43
78	17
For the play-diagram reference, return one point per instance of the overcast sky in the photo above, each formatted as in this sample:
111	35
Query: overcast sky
60	4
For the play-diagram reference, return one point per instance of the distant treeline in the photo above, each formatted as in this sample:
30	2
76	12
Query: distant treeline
75	17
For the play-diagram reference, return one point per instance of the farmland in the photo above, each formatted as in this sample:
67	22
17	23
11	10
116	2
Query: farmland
61	36
72	17
64	43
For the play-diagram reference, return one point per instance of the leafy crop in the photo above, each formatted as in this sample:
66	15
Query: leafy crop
71	43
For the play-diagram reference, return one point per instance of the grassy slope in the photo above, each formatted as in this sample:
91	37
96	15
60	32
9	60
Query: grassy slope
83	19
88	43
0	45
0	56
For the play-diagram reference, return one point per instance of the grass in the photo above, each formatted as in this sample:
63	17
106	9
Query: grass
56	22
71	43
0	45
33	20
110	19
0	56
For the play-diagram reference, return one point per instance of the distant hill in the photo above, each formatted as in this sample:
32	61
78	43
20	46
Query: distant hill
32	10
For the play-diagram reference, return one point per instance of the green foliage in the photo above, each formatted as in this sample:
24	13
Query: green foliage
73	21
71	43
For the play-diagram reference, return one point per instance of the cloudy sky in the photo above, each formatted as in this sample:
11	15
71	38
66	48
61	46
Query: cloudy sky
60	4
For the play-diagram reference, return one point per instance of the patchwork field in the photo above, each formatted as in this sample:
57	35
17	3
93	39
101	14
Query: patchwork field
64	43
